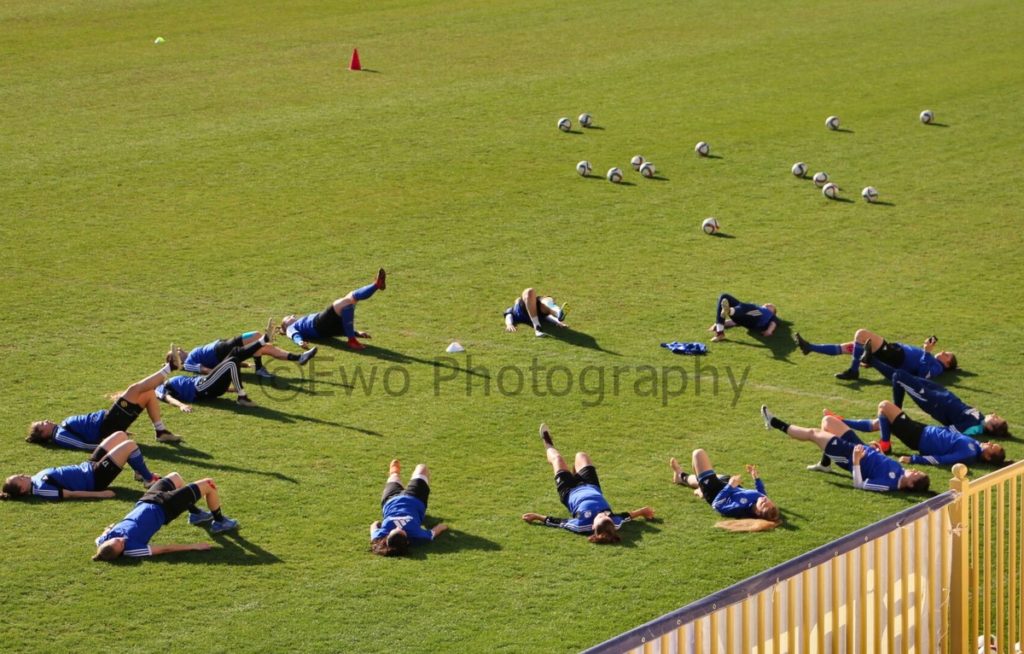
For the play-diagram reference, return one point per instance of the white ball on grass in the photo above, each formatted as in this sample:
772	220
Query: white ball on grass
637	161
830	191
832	122
799	169
870	194
564	124
820	178
647	169
710	226
586	120
702	148
614	175
927	116
583	168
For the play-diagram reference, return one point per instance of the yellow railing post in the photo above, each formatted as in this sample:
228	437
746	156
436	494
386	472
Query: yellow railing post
959	568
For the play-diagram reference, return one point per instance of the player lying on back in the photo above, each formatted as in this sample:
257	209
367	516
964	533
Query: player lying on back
403	510
918	361
162	503
751	507
871	469
530	309
203	359
338	319
730	312
183	390
87	480
84	432
580	491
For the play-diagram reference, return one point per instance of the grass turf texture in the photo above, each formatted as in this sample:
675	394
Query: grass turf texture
187	190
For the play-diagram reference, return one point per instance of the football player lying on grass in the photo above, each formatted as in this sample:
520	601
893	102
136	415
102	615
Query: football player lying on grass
730	312
182	390
530	308
871	469
403	510
751	508
338	319
580	491
84	432
203	359
918	361
87	480
162	503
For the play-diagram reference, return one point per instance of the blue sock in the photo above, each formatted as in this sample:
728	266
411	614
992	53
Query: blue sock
858	350
830	350
859	425
348	321
885	427
248	334
364	293
138	464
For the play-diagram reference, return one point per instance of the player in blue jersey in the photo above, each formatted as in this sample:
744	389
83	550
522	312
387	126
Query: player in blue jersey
752	508
730	312
530	309
580	491
183	390
203	359
403	510
162	503
338	319
918	361
87	480
939	402
871	469
84	432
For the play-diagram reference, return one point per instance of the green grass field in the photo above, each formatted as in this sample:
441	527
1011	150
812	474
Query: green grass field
186	191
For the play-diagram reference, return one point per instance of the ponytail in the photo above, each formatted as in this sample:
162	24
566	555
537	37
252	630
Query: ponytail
748	525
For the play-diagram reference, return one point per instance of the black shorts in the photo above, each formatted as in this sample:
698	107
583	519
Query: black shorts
565	481
840	449
119	417
225	347
104	473
174	501
328	322
907	430
711	485
417	488
890	354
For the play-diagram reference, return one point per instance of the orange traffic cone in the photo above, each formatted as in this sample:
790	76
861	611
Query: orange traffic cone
354	64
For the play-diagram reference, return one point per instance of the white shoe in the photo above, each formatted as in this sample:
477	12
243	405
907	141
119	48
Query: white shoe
817	467
767	416
307	355
539	333
264	373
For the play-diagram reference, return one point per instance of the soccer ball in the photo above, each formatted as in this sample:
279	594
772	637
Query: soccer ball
583	168
991	647
799	169
564	124
869	193
832	122
702	148
710	226
820	178
830	191
647	169
637	161
927	116
614	175
586	120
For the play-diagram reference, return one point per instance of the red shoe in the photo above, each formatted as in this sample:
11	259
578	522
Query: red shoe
830	412
353	344
382	280
882	446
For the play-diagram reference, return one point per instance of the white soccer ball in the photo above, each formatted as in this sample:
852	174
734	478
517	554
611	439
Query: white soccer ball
586	120
927	116
647	169
583	168
820	178
710	226
564	124
637	161
702	148
799	169
830	191
869	193
614	175
832	122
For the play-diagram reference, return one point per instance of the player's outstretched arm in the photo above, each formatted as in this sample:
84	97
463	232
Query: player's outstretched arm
509	325
646	513
154	550
439	529
88	495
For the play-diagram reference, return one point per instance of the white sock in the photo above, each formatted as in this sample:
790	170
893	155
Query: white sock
166	370
536	323
159	425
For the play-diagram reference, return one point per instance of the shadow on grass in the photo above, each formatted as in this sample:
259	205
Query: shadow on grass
266	412
712	156
633	532
903	496
843	130
450	542
384	354
781	342
722	235
579	339
173	456
234	549
884	203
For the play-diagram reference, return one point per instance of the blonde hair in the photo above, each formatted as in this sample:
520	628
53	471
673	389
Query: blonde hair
748	525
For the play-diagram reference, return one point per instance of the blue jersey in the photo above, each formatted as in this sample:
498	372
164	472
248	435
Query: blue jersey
938	402
52	482
878	472
585	503
80	432
182	388
137	528
519	313
204	356
404	512
738	502
943	446
303	329
920	363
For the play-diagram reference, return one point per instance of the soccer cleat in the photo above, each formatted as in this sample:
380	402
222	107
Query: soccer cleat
723	311
307	355
264	373
538	333
165	436
147	484
353	344
767	416
201	518
271	330
545	435
382	279
220	526
173	357
243	400
719	335
882	446
804	346
830	412
817	467
848	374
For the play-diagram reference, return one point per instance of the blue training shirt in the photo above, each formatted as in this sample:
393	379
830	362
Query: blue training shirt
80	432
943	446
302	329
404	512
201	357
920	363
137	528
878	472
72	478
182	388
585	502
738	502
